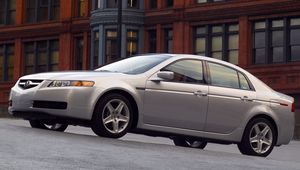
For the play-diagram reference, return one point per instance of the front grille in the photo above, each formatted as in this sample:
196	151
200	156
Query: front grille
27	84
49	105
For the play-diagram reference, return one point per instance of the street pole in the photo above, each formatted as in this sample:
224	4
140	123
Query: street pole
119	30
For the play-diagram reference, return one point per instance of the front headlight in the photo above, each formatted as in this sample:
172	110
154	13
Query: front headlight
67	83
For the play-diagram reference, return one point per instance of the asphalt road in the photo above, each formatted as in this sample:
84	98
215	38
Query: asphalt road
22	147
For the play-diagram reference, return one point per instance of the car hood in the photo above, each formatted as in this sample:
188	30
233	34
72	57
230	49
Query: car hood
74	75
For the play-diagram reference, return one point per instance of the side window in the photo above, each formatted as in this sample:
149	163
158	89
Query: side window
243	82
223	76
187	71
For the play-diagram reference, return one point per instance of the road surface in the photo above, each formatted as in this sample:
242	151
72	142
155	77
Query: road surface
22	147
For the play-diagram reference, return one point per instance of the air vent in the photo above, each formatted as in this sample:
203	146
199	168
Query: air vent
27	84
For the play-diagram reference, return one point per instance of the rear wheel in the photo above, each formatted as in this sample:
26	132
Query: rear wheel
189	142
113	116
259	138
48	126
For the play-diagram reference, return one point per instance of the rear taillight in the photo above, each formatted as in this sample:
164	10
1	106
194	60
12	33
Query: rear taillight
293	107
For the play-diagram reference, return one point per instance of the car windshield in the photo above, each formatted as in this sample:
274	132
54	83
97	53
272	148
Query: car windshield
134	65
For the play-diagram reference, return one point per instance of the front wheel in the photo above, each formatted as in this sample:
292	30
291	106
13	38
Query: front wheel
188	142
112	116
48	126
259	138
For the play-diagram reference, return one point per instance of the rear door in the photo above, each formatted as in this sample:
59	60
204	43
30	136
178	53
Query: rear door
230	98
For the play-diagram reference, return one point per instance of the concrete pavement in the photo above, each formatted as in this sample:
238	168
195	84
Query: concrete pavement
22	147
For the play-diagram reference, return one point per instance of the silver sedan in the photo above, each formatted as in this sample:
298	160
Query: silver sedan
190	99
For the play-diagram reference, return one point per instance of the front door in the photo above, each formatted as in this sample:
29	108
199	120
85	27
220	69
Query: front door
181	102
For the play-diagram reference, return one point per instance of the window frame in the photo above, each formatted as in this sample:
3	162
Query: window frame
49	49
286	28
152	41
7	11
5	55
51	5
208	1
168	39
112	39
204	72
137	5
133	40
208	36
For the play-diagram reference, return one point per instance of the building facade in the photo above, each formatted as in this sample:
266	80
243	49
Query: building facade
42	35
262	37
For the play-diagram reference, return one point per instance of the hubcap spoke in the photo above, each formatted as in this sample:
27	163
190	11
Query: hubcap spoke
259	147
254	139
257	130
266	141
120	108
115	126
123	118
265	131
108	119
110	108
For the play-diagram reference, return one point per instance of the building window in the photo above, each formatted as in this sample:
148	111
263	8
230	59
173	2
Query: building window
153	4
169	3
276	41
97	4
132	42
6	62
42	10
112	3
7	12
96	50
41	56
80	8
168	40
207	1
110	46
218	41
78	53
132	4
294	43
152	41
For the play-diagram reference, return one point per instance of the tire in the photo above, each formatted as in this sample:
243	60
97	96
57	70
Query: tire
53	127
259	138
191	143
112	116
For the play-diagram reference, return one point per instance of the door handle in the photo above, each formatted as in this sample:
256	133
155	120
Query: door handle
200	93
246	98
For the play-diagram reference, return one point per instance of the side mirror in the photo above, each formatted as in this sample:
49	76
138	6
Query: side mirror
165	75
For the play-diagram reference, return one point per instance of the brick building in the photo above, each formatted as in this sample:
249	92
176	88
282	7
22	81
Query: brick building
47	35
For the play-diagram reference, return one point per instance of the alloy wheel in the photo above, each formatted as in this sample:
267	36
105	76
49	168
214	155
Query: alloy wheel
261	138
115	116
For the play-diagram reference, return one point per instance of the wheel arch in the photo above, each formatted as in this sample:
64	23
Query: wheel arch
131	99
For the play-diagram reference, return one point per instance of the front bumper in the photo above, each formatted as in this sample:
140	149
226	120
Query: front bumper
72	102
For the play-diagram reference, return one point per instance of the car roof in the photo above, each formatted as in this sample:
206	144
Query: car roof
192	56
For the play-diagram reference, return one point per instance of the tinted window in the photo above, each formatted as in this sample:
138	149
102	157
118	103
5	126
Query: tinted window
134	65
243	82
188	71
223	76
